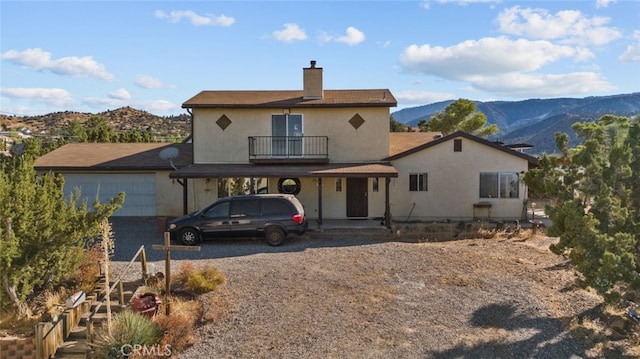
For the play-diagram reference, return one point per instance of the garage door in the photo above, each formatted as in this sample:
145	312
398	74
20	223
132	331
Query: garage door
139	189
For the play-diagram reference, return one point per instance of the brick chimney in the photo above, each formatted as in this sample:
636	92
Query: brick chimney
312	77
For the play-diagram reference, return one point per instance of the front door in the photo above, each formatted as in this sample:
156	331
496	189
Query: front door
357	198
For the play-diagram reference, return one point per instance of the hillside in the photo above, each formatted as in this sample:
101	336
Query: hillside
122	119
535	121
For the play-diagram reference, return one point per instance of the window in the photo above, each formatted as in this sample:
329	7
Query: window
499	185
289	185
375	185
245	208
218	211
457	145
418	182
338	184
271	206
241	185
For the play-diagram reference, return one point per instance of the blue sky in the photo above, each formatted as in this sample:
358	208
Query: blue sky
92	56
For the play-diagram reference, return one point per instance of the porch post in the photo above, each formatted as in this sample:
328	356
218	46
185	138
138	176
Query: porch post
185	196
319	200
387	207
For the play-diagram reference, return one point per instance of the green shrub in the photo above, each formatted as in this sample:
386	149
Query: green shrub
128	329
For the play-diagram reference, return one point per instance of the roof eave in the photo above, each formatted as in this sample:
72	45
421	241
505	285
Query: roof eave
292	105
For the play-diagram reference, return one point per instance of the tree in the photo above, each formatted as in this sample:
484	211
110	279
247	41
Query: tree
99	130
75	132
461	115
396	126
47	234
597	215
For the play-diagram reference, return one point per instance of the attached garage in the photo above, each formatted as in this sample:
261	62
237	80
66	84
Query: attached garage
139	189
140	170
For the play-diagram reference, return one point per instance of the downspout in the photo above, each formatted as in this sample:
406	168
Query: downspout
185	187
185	204
319	201
387	207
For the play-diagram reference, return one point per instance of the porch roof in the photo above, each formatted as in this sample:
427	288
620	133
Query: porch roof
362	170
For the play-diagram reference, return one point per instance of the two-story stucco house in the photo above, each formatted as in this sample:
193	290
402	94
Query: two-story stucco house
326	146
331	148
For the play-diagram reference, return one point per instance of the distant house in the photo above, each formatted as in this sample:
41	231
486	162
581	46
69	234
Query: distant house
331	148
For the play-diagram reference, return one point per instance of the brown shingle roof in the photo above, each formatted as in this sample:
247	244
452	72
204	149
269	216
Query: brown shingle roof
532	160
264	99
403	141
112	156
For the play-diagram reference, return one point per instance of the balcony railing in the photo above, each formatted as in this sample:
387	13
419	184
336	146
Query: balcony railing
289	149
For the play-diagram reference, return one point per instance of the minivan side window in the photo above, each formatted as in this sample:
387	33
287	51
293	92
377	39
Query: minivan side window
272	206
245	208
220	210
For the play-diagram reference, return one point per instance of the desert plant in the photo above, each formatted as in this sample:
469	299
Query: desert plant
199	281
178	330
128	330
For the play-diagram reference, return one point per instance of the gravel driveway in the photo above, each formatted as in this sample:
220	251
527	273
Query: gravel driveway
367	298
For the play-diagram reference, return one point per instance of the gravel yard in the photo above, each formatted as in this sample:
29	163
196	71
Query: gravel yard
370	298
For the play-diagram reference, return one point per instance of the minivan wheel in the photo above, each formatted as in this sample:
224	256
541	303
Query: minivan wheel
189	236
275	236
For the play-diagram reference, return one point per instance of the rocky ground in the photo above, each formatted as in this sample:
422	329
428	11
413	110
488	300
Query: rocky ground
474	298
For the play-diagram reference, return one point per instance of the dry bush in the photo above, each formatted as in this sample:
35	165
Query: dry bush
199	280
84	277
178	330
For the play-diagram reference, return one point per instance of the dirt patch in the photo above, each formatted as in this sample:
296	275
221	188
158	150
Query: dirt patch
387	299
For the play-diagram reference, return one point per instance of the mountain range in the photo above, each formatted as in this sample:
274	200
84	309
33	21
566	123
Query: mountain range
535	121
532	122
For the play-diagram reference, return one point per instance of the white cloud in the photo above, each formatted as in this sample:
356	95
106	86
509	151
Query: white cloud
551	85
291	32
195	19
53	96
567	26
160	107
421	97
484	57
100	103
604	3
149	82
352	37
38	59
632	54
505	67
120	94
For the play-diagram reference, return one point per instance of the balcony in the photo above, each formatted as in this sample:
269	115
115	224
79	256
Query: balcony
289	149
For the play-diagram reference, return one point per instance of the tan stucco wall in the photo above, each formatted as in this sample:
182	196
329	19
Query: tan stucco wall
368	142
453	183
168	195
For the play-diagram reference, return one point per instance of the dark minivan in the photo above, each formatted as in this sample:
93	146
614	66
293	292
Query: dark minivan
272	216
